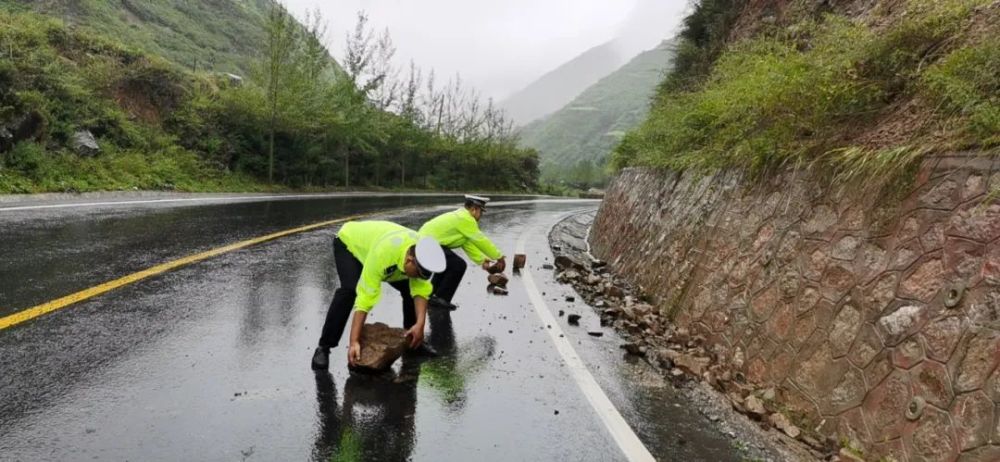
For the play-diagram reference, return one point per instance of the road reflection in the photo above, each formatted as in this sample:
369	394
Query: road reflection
376	421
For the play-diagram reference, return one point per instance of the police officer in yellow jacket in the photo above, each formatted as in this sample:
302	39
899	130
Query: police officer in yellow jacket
368	253
460	229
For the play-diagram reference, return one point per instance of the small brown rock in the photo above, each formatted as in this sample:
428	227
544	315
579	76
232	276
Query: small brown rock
498	279
782	423
381	345
754	406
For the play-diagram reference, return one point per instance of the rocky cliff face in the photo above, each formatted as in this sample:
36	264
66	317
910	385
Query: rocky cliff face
876	317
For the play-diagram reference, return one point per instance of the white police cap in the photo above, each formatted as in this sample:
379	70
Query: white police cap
430	257
479	201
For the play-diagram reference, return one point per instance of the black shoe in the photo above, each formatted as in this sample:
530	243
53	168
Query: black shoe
321	359
439	302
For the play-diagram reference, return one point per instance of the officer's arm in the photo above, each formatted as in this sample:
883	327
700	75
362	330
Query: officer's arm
420	290
473	253
354	348
470	229
369	287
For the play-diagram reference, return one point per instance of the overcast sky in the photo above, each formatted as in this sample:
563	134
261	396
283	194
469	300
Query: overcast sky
499	46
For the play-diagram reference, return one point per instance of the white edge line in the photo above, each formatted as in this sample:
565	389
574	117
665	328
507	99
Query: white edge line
244	199
627	440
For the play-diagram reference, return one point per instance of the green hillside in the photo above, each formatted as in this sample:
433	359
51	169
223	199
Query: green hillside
866	88
85	106
220	35
574	142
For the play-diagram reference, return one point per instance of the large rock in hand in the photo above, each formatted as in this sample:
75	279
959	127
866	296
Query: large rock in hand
381	346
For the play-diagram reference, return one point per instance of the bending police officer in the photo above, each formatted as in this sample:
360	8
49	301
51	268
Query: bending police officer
368	253
460	229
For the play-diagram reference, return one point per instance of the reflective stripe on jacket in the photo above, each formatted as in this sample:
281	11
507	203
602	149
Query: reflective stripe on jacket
381	248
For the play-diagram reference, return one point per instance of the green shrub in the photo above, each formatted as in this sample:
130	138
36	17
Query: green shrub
967	85
793	96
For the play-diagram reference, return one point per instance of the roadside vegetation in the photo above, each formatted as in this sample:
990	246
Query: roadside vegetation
296	119
866	94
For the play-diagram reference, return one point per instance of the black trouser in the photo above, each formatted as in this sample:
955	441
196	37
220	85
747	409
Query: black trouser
446	283
349	271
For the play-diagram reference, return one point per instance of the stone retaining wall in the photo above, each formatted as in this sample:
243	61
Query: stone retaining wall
877	320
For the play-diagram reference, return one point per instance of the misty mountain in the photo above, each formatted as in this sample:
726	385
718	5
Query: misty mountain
558	87
221	35
589	127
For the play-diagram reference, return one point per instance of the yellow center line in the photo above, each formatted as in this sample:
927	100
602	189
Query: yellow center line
59	303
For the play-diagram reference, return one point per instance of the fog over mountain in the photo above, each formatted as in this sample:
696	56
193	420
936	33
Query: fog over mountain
502	47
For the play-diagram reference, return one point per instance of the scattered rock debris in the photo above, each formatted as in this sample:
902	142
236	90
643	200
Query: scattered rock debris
573	319
686	357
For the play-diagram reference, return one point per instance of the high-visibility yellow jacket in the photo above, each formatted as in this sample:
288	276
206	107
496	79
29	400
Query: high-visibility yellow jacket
381	248
460	229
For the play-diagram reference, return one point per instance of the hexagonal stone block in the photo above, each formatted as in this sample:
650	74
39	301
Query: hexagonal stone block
879	294
908	229
992	387
845	248
848	393
871	261
807	299
908	354
974	186
941	196
976	223
820	220
867	345
820	373
764	303
932	438
924	282
788	251
878	369
781	365
979	356
990	271
906	254
973	417
844	329
885	406
982	306
933	238
756	371
836	281
900	323
941	336
932	382
813	264
963	258
781	323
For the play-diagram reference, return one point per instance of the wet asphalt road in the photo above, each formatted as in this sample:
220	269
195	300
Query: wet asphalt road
210	362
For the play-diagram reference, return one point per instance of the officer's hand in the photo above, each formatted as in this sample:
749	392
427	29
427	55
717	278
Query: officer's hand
501	264
354	353
416	336
486	266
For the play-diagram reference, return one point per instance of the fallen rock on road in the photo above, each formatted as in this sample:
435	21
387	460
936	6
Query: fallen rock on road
381	346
